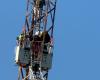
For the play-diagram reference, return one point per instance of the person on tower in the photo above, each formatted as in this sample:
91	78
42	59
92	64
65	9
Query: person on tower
36	45
39	3
38	8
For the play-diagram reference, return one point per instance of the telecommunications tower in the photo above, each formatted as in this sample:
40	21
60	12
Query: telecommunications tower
34	49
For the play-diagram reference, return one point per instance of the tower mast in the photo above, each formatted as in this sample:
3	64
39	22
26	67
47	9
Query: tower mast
34	50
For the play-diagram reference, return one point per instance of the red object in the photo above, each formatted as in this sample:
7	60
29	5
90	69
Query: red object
36	48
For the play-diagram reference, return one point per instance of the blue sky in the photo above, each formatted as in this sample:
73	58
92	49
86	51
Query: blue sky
77	39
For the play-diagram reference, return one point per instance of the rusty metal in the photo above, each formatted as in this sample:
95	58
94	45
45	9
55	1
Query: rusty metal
38	18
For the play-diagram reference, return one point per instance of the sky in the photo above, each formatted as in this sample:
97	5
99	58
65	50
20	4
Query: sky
77	39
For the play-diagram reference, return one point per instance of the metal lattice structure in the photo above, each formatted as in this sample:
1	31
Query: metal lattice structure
34	49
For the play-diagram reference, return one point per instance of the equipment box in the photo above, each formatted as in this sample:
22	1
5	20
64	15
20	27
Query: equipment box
22	55
46	61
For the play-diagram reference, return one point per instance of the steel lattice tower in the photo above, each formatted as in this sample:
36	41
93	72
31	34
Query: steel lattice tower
40	17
